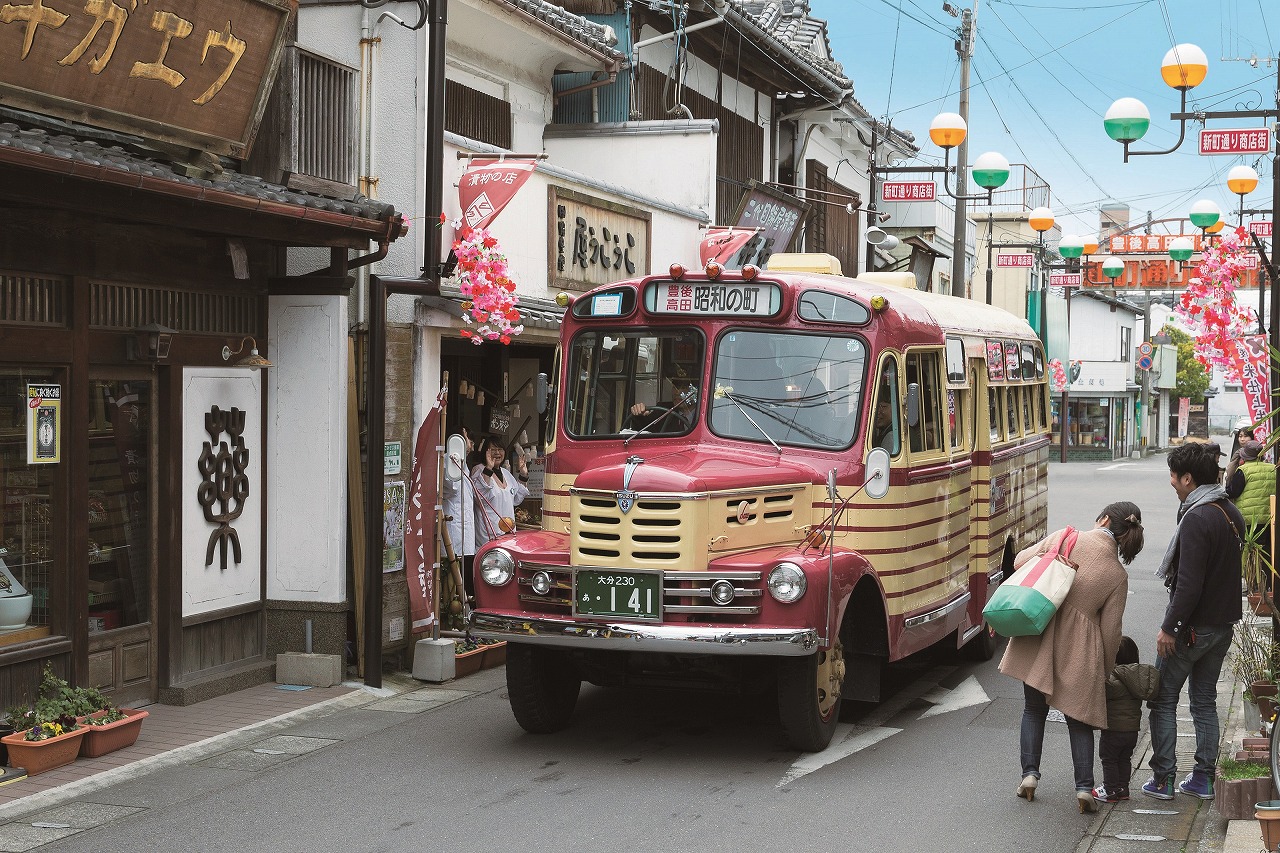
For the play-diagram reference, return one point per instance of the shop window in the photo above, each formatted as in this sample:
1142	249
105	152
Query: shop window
1126	343
119	582
32	523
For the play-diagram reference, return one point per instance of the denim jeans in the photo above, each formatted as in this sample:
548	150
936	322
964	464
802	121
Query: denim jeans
1031	742
1202	664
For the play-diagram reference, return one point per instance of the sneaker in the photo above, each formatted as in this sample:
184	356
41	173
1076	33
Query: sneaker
1197	784
1159	789
1114	795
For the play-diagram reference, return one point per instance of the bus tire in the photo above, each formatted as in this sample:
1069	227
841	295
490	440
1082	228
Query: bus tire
542	687
809	697
982	647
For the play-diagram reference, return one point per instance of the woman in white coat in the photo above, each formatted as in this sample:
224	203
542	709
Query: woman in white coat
498	492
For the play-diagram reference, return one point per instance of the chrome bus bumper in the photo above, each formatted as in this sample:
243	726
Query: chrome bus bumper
630	636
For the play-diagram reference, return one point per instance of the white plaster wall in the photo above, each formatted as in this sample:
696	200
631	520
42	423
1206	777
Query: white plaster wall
677	165
208	587
306	442
1095	330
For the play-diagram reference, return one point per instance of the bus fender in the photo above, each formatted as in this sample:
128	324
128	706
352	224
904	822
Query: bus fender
861	616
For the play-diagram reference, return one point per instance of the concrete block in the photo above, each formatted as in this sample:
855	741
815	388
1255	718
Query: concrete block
313	670
433	660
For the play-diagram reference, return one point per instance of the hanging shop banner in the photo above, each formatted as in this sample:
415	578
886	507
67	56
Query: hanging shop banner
193	72
420	539
488	186
724	244
44	435
1255	378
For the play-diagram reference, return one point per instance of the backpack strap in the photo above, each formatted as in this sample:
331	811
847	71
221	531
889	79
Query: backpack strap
1239	538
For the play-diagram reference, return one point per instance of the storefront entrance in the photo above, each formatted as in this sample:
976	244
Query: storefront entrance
121	553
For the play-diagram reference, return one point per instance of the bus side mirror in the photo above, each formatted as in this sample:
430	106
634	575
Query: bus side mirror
542	393
877	474
913	403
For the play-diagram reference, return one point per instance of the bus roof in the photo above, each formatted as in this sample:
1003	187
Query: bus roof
947	312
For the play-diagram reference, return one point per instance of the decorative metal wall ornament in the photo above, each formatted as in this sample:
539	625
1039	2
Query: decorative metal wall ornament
225	484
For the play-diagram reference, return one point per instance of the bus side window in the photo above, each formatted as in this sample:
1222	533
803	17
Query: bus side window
1041	419
1011	403
993	413
886	416
926	433
957	399
1028	422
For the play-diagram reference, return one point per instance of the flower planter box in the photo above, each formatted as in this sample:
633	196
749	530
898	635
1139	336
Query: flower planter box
39	756
1234	798
494	655
99	740
468	663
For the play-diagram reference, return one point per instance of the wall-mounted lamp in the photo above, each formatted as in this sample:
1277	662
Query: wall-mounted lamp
150	343
253	361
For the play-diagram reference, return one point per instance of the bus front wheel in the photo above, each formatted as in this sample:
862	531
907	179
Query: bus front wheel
809	696
542	687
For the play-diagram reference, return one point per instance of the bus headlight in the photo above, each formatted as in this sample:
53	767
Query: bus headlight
786	582
497	567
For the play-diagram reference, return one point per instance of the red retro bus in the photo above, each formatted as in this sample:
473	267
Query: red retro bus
767	477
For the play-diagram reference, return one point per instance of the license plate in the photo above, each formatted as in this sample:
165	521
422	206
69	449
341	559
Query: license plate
620	595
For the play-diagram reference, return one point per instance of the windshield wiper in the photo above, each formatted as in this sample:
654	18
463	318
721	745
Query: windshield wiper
772	411
727	393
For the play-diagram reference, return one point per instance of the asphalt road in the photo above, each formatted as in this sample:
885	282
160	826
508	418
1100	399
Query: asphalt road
934	767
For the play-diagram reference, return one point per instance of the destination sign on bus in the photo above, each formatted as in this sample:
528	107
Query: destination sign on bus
738	299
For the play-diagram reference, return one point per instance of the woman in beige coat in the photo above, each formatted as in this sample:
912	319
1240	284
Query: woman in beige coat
1067	666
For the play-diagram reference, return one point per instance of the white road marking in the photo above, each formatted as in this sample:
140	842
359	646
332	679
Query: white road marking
1115	466
842	746
967	693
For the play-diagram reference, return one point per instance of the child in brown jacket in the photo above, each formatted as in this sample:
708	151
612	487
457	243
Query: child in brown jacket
1128	686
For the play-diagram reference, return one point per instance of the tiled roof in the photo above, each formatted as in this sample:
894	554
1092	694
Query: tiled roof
788	21
115	155
598	37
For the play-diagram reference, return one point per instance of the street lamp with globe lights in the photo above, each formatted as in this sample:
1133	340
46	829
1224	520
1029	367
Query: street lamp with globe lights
990	171
1127	120
1242	180
1041	220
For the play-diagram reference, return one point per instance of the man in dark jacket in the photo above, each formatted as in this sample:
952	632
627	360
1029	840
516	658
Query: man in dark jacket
1201	568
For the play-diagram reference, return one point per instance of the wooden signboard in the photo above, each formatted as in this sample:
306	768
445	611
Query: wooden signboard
188	72
594	241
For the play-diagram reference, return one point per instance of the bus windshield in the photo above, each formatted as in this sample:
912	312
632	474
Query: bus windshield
788	388
639	383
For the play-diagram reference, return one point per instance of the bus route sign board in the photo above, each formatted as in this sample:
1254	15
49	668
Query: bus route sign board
1252	140
1015	260
908	191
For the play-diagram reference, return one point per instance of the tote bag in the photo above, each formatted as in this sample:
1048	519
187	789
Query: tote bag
1023	605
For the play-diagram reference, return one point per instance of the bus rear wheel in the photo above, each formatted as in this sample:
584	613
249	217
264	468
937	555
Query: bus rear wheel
809	696
542	687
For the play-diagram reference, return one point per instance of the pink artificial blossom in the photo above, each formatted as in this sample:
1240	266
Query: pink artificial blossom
483	278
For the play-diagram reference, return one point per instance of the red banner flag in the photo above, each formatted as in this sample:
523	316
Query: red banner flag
1255	377
487	187
723	243
420	550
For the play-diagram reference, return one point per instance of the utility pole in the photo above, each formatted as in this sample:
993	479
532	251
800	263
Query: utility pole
1144	422
960	230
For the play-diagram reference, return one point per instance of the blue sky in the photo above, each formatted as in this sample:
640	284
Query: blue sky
1045	71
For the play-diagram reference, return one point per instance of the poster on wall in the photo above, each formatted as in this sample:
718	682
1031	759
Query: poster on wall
44	437
393	526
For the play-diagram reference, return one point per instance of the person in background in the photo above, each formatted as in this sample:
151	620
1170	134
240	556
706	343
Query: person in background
498	491
1066	667
1201	569
460	517
1250	485
882	433
1130	684
1244	432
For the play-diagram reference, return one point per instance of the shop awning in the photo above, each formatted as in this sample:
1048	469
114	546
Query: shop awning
534	313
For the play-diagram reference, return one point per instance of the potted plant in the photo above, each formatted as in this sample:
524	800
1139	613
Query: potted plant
1256	567
110	729
468	655
1239	785
38	744
1251	661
